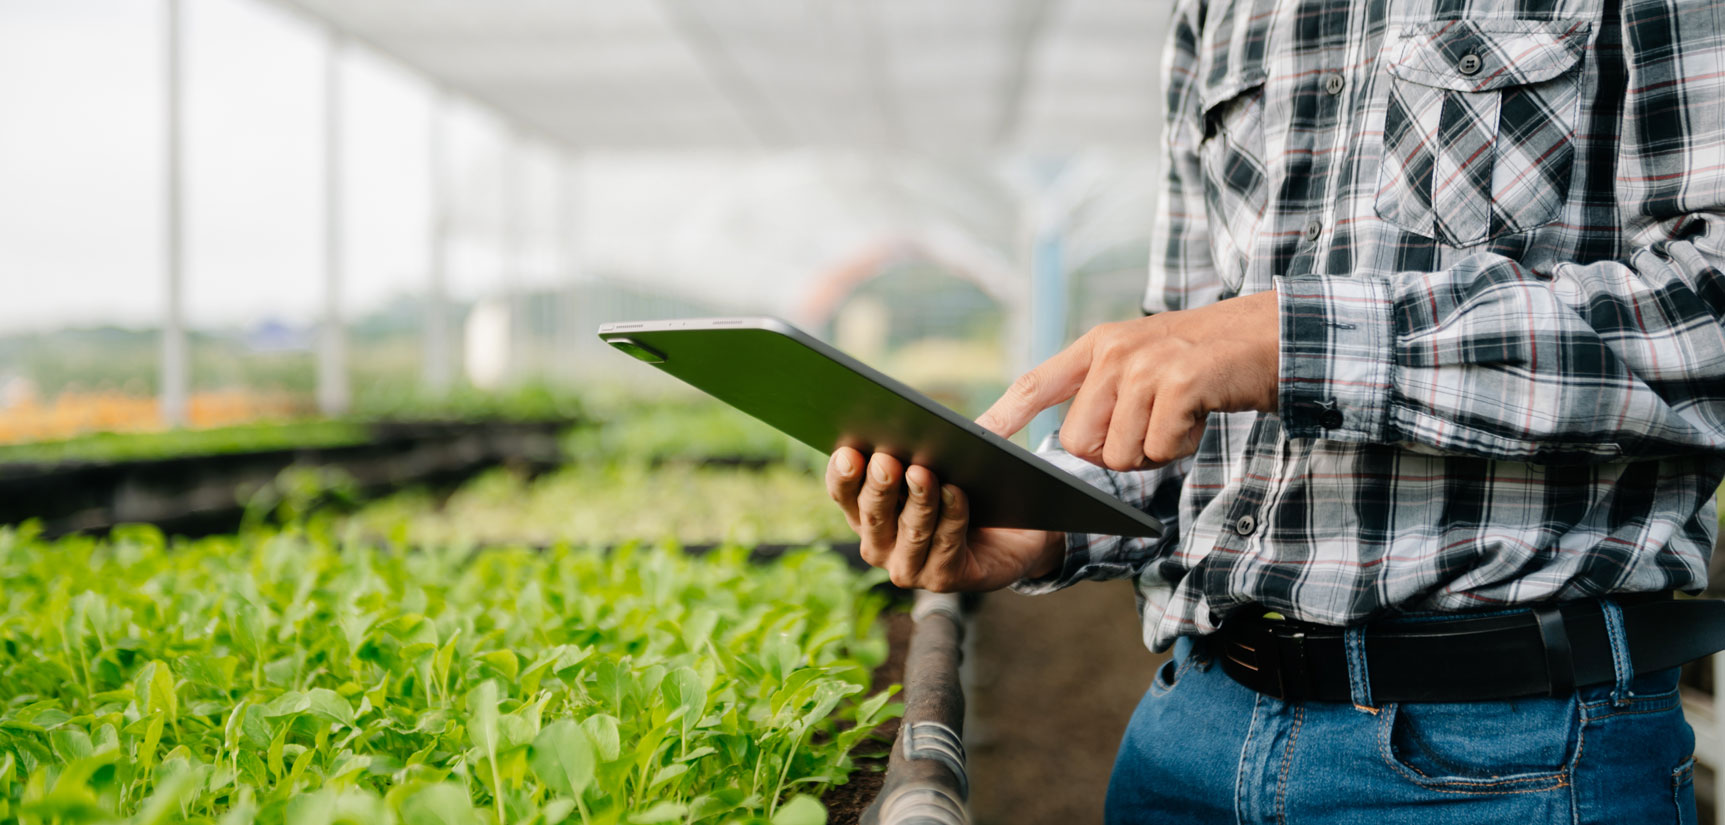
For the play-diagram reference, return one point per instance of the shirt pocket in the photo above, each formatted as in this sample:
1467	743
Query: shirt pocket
1479	127
1236	184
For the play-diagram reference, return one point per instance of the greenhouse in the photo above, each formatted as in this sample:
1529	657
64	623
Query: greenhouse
330	493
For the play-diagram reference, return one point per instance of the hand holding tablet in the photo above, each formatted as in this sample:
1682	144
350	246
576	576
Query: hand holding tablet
1012	501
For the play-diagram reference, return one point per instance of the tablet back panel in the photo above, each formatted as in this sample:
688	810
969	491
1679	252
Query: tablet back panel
826	399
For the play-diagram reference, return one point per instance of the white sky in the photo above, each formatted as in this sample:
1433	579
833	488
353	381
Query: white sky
81	147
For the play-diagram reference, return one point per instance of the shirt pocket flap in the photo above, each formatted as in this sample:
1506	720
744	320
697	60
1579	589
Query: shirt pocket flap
1218	91
1482	55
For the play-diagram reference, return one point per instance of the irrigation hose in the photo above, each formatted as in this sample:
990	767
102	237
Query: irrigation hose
926	782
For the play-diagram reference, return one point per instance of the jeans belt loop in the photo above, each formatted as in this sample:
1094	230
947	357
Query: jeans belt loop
1359	674
1623	670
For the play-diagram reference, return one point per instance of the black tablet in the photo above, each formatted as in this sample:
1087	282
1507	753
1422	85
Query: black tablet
826	399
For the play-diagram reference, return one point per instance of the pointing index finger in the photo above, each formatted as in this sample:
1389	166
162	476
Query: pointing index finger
1050	383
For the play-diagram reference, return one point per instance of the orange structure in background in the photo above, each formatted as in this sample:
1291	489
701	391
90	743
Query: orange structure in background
76	413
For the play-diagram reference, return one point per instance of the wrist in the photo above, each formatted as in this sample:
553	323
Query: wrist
1052	558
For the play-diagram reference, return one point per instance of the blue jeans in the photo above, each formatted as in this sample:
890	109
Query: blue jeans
1201	748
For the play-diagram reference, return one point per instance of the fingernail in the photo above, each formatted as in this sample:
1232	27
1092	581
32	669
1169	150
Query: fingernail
842	463
915	488
947	496
880	473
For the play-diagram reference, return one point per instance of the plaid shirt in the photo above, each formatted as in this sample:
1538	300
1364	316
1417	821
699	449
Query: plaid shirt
1496	230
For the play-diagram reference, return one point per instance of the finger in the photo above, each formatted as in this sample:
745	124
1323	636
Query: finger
944	568
844	481
1176	424
1050	383
1085	428
915	526
877	508
1127	427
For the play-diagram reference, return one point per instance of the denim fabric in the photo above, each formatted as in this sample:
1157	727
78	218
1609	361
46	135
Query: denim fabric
1201	748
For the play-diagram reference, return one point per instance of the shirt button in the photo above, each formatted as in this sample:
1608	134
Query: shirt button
1334	83
1245	525
1314	228
1330	419
1469	64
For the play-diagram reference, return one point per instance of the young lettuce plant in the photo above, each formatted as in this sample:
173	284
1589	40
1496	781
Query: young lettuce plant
289	677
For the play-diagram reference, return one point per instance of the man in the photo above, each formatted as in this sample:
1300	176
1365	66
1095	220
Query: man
1432	399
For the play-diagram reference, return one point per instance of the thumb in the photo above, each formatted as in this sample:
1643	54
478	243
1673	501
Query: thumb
1050	383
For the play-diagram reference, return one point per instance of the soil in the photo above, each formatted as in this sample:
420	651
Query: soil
846	803
1051	682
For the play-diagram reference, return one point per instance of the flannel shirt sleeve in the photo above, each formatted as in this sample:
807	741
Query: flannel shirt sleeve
1097	557
1587	362
1181	276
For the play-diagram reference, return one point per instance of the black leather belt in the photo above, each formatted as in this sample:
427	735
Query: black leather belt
1545	650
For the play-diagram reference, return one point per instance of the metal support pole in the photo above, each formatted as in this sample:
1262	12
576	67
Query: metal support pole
568	310
1047	309
333	391
437	364
174	389
515	298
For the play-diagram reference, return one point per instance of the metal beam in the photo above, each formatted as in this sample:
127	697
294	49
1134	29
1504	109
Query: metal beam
174	390
437	361
333	390
317	18
1028	27
513	258
769	126
569	249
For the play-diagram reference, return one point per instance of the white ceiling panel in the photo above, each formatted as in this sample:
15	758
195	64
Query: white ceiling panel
870	75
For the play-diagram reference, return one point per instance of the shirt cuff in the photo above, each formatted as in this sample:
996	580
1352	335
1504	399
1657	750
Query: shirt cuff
1337	358
1074	567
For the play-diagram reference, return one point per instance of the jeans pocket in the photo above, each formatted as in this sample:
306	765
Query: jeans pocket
1509	746
1166	676
1683	792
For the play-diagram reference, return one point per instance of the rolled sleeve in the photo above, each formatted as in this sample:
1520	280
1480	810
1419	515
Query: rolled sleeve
1099	557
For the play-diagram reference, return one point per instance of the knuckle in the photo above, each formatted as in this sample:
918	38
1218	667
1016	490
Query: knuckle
1028	385
1158	453
1121	464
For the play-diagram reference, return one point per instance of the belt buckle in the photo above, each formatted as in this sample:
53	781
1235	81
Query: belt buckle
1276	654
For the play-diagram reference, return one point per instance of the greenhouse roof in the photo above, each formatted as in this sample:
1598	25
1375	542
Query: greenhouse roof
950	77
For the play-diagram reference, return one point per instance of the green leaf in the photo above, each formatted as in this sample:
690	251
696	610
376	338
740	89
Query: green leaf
482	716
440	804
607	741
685	691
664	812
563	758
801	810
154	687
329	705
504	662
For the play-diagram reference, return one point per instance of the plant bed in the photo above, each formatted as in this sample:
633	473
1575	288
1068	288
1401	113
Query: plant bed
610	503
286	676
205	492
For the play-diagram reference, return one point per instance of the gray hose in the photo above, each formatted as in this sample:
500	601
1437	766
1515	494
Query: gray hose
926	782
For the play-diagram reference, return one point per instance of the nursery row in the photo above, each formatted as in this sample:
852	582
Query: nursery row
288	676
